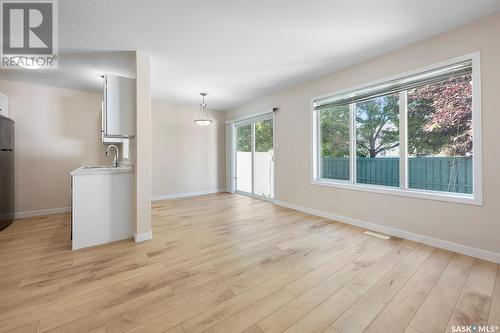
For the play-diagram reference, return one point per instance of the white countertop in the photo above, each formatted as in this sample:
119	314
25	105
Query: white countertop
101	169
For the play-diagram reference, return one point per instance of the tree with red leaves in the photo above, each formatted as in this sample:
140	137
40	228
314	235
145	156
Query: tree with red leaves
440	118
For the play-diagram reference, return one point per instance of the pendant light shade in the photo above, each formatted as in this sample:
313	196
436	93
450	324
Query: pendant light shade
203	120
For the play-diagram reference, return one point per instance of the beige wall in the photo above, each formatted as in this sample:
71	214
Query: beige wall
186	157
57	130
477	227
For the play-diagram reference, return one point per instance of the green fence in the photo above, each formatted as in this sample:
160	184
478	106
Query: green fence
449	174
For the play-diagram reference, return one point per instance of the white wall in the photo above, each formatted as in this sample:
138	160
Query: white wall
57	130
143	149
476	227
187	158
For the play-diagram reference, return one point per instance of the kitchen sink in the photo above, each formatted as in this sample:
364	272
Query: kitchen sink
101	167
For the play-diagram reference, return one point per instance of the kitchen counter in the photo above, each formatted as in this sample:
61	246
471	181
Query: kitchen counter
102	205
101	169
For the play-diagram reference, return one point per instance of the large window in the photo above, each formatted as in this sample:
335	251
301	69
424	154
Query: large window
415	135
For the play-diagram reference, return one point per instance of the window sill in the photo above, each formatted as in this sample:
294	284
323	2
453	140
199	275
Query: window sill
467	199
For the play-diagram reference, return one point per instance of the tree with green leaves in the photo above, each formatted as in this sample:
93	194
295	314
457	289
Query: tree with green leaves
263	137
335	131
377	125
439	122
377	122
244	138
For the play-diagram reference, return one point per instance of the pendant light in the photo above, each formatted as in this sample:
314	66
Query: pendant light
203	120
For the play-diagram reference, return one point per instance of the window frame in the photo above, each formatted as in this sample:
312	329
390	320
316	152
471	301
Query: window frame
403	190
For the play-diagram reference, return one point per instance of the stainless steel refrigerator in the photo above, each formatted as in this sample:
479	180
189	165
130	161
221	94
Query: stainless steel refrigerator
7	172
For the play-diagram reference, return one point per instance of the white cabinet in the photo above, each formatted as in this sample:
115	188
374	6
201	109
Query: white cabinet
102	205
118	107
4	105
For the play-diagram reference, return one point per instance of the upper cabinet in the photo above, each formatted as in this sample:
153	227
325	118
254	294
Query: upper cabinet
4	105
118	107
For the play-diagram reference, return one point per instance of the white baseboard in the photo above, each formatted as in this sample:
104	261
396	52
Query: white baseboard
42	212
143	237
185	194
450	246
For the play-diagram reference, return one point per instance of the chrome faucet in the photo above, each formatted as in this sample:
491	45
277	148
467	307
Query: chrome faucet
117	155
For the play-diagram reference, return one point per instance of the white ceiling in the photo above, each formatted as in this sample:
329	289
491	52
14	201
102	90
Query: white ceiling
237	50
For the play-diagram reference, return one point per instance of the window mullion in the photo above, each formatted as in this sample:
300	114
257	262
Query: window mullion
403	140
352	143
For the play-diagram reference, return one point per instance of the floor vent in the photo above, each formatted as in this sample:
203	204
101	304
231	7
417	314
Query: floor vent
376	234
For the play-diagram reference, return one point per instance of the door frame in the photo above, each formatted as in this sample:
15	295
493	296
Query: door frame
251	121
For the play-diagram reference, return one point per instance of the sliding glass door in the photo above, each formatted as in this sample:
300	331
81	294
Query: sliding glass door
244	158
255	157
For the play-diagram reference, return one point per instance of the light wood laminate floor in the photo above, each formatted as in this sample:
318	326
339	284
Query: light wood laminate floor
228	263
